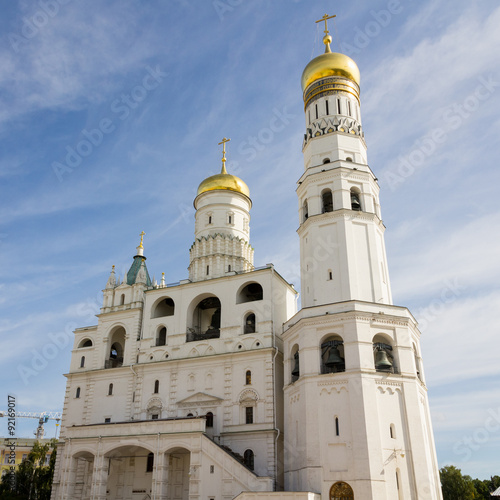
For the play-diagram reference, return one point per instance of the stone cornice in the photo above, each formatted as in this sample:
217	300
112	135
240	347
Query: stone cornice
346	316
343	213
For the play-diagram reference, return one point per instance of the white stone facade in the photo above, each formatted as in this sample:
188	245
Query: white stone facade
217	387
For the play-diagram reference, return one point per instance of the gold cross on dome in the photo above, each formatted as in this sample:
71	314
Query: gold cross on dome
325	18
223	142
142	237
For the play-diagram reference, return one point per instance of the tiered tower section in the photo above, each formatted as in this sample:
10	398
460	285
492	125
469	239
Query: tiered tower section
222	227
357	421
341	231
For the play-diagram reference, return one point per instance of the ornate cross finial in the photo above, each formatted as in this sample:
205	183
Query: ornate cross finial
325	18
142	238
223	142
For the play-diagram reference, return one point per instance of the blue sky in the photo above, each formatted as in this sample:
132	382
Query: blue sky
155	85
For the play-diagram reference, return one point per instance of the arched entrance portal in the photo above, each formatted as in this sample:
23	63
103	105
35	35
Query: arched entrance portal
341	491
130	472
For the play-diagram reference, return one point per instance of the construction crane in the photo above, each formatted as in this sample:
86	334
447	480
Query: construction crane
43	418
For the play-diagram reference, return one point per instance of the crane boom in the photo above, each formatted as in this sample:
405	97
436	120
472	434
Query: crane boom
52	415
42	417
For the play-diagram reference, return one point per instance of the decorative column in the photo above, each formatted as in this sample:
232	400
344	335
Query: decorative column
99	478
160	477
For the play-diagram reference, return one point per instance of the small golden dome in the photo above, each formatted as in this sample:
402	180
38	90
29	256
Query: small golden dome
330	64
223	181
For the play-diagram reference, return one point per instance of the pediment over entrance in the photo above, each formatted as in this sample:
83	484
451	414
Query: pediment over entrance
199	399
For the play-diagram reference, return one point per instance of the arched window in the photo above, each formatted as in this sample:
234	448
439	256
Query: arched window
305	211
82	362
295	366
248	459
355	200
210	419
392	431
326	201
85	343
157	387
77	395
249	323
122	299
248	377
326	160
189	415
150	462
117	342
250	293
165	307
205	320
161	338
110	390
332	355
417	362
341	491
337	428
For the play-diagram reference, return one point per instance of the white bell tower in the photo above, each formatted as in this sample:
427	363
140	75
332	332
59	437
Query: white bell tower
357	421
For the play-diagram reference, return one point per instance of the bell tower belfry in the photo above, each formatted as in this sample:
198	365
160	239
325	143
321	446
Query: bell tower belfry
357	420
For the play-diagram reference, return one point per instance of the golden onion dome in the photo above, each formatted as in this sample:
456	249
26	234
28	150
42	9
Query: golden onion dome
330	64
223	181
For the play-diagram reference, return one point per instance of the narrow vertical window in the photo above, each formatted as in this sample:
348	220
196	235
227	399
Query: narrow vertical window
349	108
110	390
157	387
82	362
309	117
122	299
229	268
249	415
317	116
337	430
210	219
248	377
392	430
210	419
150	463
338	106
330	275
208	270
327	107
77	395
248	459
230	219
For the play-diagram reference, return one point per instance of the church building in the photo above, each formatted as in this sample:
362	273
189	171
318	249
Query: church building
217	387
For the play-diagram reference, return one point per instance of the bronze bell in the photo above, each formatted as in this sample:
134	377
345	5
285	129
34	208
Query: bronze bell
334	358
355	204
382	361
296	370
